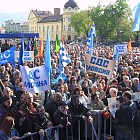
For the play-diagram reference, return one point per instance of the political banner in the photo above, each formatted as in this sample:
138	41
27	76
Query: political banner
7	56
28	56
99	65
121	48
34	80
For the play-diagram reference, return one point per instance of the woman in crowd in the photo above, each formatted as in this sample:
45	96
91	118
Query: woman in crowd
7	130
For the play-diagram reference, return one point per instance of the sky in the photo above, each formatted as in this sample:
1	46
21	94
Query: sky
13	6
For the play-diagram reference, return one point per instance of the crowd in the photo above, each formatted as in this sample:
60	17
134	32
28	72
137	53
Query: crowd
72	99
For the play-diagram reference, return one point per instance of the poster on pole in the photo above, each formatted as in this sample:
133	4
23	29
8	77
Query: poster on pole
99	65
121	48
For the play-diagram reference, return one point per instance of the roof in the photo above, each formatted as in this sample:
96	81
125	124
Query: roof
54	18
70	3
39	13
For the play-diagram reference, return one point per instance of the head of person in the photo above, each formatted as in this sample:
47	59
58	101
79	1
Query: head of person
16	74
7	101
60	88
61	106
113	92
128	83
127	96
95	98
28	98
75	100
7	91
125	78
40	111
94	88
20	86
7	124
78	91
49	124
135	81
73	80
57	97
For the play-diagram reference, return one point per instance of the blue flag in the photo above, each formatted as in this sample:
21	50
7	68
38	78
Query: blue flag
21	54
48	57
7	56
28	47
117	55
136	17
91	34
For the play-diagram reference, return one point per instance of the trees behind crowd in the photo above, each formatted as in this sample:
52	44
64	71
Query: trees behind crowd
113	22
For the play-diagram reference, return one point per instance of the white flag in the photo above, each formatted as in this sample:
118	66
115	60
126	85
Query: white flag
34	80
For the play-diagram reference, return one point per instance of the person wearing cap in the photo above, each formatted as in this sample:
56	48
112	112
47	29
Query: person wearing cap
62	119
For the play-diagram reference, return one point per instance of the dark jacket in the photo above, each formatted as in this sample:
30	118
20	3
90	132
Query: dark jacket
124	116
40	123
51	107
79	110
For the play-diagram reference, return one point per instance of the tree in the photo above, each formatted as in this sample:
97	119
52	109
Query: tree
81	22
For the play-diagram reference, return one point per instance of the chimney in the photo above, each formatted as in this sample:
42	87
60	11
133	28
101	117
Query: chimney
56	11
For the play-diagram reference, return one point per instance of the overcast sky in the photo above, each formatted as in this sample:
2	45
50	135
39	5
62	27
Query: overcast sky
12	6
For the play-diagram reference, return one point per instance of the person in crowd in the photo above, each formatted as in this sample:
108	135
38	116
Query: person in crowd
16	75
51	106
79	113
124	117
7	130
40	121
62	119
95	104
72	84
7	108
60	89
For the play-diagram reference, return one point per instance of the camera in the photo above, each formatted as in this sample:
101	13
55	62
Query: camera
120	99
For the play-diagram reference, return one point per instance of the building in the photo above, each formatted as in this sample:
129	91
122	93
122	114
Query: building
41	21
24	27
15	27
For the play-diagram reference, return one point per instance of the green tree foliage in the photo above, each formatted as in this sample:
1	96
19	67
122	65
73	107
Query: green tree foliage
81	22
112	22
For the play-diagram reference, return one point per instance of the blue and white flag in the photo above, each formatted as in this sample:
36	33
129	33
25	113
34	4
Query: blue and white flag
64	58
7	56
92	33
34	80
136	17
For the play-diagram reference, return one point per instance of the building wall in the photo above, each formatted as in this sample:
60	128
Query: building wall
54	28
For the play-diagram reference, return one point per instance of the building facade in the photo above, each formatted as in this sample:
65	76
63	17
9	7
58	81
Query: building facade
41	21
15	27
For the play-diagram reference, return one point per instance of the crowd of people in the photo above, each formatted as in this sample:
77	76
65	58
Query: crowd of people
72	98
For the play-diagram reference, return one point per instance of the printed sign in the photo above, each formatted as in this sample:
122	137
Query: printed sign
7	56
34	80
28	56
99	65
113	105
121	48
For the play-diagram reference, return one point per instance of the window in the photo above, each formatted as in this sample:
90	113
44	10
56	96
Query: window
39	29
43	28
52	28
57	28
69	19
64	28
69	28
63	19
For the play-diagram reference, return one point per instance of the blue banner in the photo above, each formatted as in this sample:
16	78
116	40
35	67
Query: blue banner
7	56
